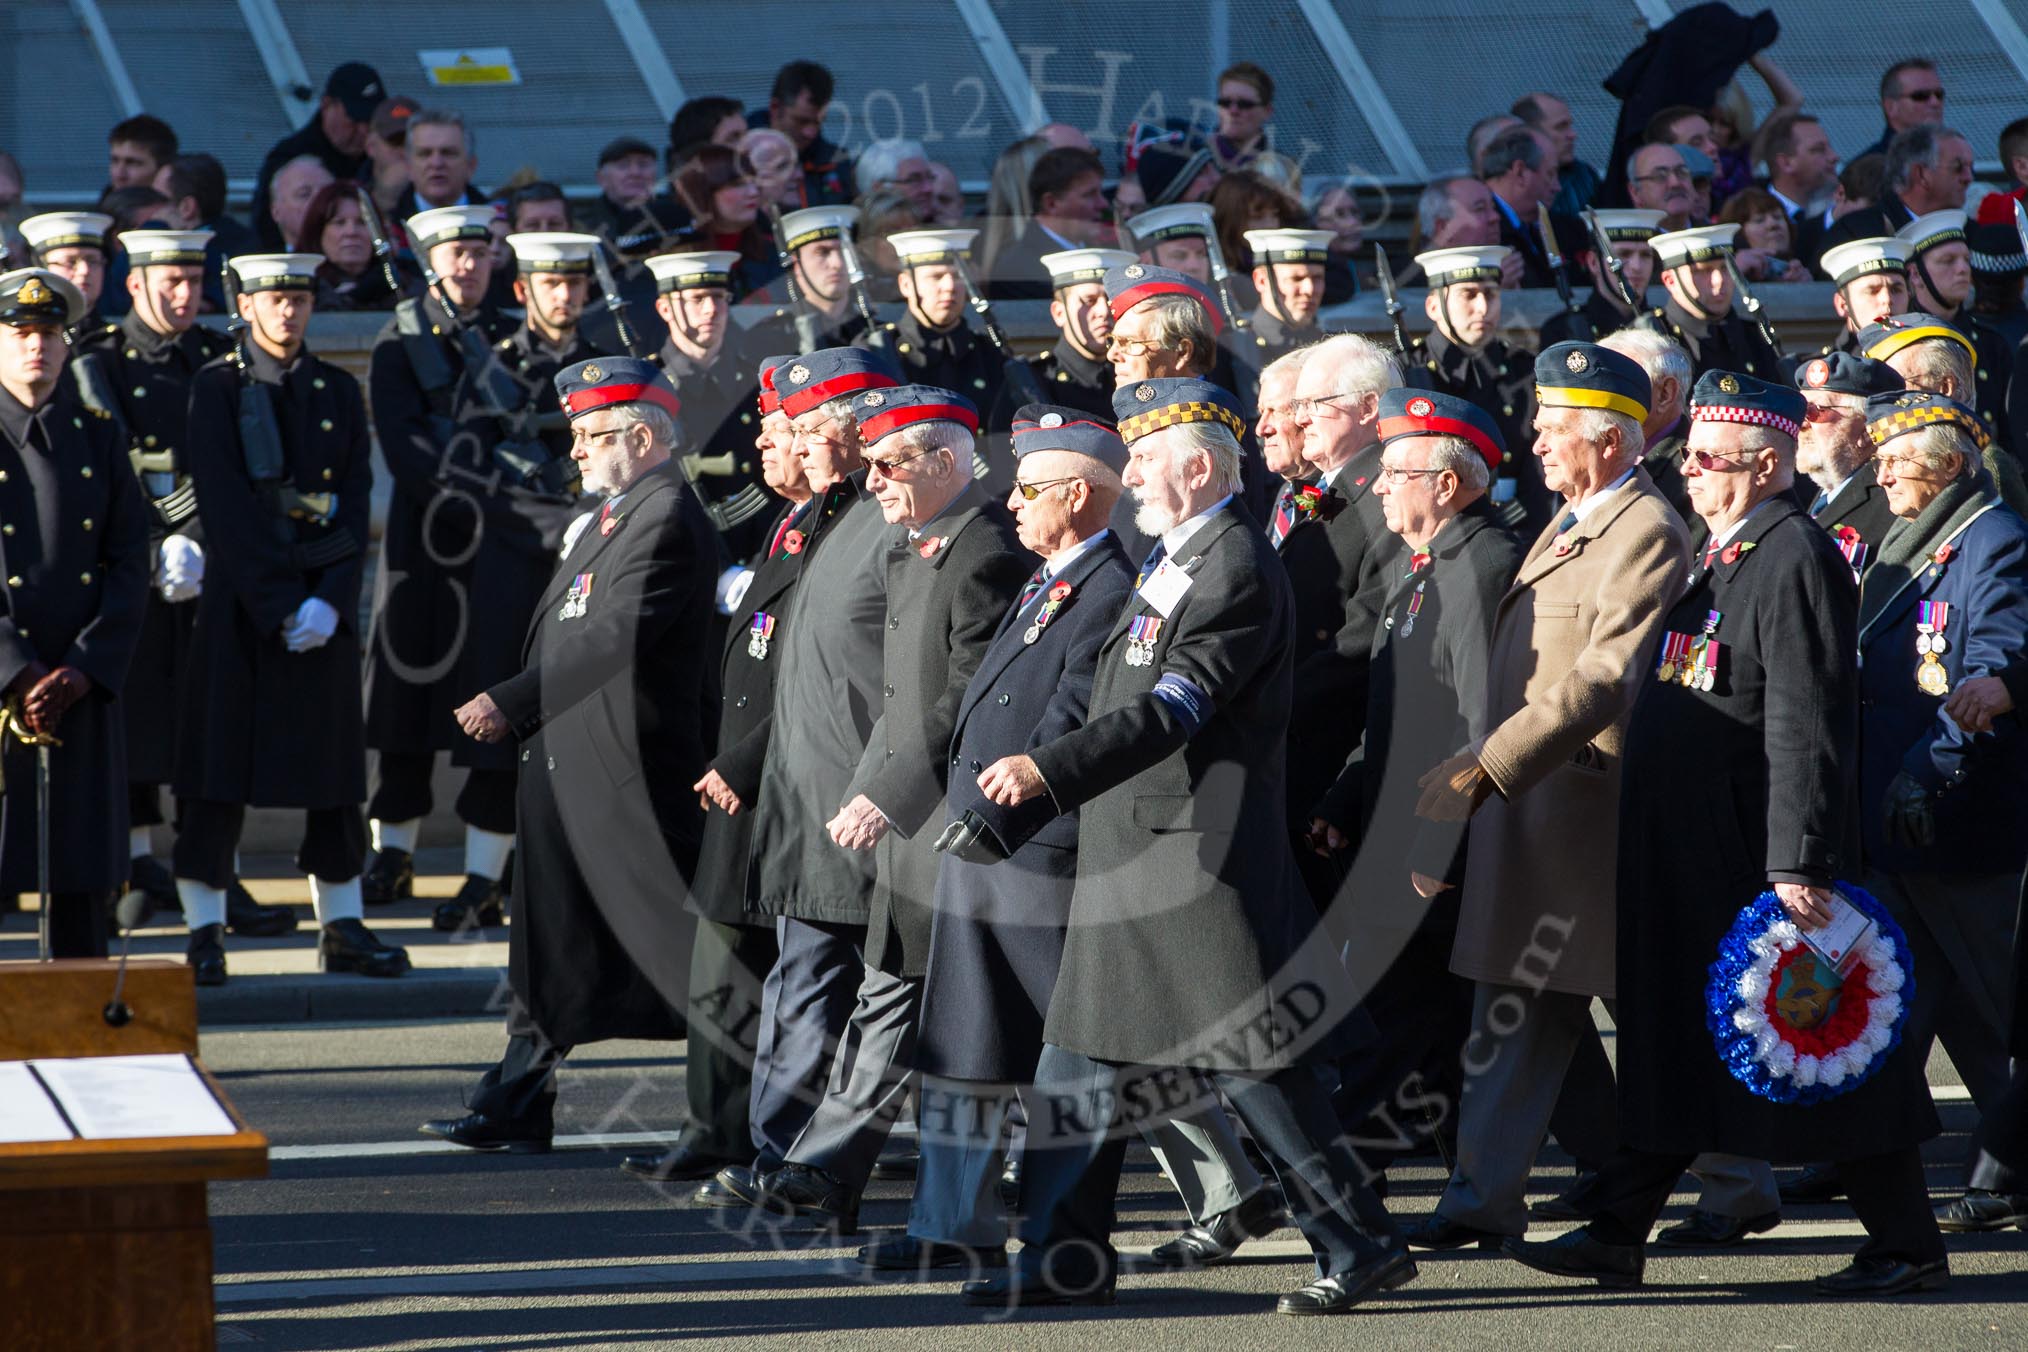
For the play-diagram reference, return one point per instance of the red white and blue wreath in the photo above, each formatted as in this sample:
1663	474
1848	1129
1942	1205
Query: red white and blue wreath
1788	1027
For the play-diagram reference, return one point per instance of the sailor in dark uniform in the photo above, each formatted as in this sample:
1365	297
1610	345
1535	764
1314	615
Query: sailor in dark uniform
1940	283
74	544
1699	311
1836	453
1871	277
1288	275
1464	355
1605	311
811	237
75	246
1075	371
281	457
714	366
932	341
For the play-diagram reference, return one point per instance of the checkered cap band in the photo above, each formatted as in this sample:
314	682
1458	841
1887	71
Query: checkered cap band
1884	430
1174	415
1758	417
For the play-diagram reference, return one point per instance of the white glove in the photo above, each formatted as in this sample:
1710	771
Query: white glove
313	626
180	569
732	585
573	530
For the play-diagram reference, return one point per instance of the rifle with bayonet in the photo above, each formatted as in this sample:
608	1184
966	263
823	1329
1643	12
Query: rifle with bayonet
1611	262
1020	375
616	304
807	329
1751	304
1390	299
1558	270
383	251
1221	277
260	444
855	277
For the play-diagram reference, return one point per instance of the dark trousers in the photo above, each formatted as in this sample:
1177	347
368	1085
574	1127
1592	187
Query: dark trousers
333	848
728	966
79	924
1076	1146
1887	1192
521	1088
1586	1122
806	1005
1399	1093
144	805
401	792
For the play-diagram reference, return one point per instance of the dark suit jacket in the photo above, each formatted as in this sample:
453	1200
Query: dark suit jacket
1884	217
611	710
943	607
1860	508
997	938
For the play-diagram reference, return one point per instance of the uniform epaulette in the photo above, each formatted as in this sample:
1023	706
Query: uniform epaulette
111	328
99	412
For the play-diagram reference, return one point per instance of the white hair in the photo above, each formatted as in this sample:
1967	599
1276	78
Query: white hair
1594	423
938	434
1932	359
881	161
1289	365
660	423
1214	440
1935	444
1461	458
1358	366
1662	358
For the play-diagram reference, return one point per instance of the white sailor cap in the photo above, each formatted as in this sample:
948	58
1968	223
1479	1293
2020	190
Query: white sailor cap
1171	222
1472	263
814	223
1698	244
711	270
1629	225
66	230
1290	246
277	272
440	225
1075	267
1928	231
147	248
931	246
1860	257
553	251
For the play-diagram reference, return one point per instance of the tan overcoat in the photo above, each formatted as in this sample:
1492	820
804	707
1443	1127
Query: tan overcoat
1572	641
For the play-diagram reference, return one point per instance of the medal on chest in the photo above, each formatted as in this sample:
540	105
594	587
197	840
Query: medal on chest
757	635
1705	654
1933	618
1051	603
1142	631
1414	609
574	600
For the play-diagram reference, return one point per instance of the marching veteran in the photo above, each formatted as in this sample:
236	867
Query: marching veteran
1754	693
1570	640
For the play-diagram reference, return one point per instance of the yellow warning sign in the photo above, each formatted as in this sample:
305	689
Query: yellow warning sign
471	66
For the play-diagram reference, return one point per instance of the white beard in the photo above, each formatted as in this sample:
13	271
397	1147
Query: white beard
1152	520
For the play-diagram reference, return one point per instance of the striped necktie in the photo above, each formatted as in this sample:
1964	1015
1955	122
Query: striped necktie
1153	561
1285	514
782	531
1034	585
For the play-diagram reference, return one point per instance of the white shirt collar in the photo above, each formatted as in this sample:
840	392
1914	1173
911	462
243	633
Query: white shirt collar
1590	504
1789	204
1063	558
1180	534
1726	536
1053	235
1330	476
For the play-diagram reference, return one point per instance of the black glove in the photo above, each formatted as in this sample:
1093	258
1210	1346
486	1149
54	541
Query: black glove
970	839
1910	814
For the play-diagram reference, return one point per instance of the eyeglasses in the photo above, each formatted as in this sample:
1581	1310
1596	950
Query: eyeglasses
1303	410
1706	460
886	468
1664	175
1925	95
1240	105
1130	347
1397	477
579	437
1031	491
1823	413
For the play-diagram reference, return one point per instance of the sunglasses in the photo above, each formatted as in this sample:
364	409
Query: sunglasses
886	468
1240	105
1706	460
1924	96
1031	491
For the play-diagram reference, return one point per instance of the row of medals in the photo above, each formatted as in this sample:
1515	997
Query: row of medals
1931	675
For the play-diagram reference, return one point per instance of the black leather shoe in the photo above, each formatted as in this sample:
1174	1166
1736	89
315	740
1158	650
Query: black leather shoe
1203	1245
1577	1254
906	1253
804	1190
348	946
477	904
1438	1231
1814	1184
681	1163
481	1132
1340	1292
1980	1210
1709	1230
147	875
250	920
1885	1277
900	1164
1010	1184
1572	1204
1015	1289
206	955
735	1187
389	878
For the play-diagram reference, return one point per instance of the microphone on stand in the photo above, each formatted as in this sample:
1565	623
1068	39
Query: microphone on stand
130	914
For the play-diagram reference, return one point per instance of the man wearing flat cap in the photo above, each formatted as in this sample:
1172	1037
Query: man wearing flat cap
1754	692
76	556
336	136
1425	698
1191	940
628	214
1570	639
281	458
1836	454
1941	804
608	720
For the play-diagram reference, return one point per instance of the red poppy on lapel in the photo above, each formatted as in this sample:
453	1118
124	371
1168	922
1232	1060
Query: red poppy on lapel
792	543
929	545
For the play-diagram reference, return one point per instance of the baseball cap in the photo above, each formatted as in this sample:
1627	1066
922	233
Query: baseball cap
357	86
390	119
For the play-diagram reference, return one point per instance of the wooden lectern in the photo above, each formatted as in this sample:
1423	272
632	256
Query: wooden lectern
107	1244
